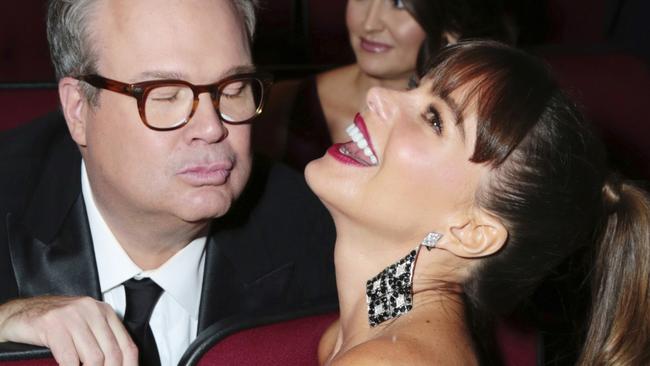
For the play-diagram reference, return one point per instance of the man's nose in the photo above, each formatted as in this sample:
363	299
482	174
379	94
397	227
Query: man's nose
206	124
381	101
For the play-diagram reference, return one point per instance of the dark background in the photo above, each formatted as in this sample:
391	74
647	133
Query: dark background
297	36
598	48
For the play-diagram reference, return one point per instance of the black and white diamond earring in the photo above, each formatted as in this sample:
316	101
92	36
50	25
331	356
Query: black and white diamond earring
431	240
389	294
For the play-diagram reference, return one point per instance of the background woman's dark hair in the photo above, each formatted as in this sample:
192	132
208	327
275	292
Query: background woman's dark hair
551	187
463	18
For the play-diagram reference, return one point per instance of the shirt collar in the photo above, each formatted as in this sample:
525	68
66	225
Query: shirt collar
181	276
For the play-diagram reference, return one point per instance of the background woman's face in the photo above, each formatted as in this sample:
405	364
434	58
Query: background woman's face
384	36
423	177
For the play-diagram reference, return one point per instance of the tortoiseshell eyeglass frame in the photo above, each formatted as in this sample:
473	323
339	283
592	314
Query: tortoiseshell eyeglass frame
141	90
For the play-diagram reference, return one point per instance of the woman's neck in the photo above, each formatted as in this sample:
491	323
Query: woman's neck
361	257
364	82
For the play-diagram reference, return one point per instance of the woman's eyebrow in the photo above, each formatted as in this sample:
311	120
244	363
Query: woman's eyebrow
456	113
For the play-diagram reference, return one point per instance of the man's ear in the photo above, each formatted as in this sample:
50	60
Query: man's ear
480	235
73	106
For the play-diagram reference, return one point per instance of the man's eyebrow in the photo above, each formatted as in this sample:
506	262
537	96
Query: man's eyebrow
158	75
241	69
163	74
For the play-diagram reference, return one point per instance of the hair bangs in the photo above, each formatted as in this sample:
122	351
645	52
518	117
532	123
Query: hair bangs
509	93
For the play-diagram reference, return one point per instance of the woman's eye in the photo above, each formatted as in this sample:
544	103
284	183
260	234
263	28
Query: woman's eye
398	4
432	117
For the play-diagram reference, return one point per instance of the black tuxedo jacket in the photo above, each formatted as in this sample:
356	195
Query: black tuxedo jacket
272	251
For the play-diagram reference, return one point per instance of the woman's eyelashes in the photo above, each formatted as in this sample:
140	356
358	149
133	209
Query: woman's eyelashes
397	4
432	117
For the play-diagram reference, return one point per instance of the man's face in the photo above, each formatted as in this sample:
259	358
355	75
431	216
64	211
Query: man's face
186	175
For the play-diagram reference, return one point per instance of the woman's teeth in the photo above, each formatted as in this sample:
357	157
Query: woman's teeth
357	137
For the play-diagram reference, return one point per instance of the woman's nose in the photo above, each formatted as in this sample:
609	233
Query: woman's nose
373	21
381	102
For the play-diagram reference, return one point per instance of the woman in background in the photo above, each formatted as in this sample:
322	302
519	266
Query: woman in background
389	38
479	182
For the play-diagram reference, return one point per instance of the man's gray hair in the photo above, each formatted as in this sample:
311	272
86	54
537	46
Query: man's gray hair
69	38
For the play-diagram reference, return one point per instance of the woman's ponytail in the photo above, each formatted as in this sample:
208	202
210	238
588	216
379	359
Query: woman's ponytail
619	330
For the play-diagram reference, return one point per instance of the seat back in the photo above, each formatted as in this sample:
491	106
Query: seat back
284	339
16	354
613	88
295	342
31	362
577	21
20	105
519	343
23	42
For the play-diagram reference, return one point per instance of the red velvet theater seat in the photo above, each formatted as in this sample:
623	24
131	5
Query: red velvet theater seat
280	340
22	105
577	21
24	53
276	342
31	362
614	90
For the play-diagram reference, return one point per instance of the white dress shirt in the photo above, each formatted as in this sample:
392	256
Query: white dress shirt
174	320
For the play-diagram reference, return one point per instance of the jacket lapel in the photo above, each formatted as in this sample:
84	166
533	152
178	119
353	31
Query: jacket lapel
50	246
240	276
236	282
64	266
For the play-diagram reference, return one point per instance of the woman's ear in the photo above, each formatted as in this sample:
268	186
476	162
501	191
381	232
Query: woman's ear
73	105
480	235
450	38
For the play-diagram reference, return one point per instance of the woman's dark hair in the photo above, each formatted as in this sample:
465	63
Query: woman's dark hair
462	18
551	187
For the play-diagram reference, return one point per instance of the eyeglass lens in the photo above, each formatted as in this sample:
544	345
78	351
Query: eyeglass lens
171	105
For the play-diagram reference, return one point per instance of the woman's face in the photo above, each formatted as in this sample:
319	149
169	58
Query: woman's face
416	175
384	36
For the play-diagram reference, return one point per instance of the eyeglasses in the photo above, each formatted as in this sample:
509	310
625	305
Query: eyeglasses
170	104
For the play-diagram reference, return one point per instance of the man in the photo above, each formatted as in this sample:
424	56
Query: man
150	200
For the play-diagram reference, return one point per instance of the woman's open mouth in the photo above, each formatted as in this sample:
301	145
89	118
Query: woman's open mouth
358	151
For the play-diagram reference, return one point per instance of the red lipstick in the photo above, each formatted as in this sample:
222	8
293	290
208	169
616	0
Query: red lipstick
359	151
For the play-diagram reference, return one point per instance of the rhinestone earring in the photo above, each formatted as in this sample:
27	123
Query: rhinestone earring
390	293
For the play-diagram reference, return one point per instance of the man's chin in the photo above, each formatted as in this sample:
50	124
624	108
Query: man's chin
205	207
203	216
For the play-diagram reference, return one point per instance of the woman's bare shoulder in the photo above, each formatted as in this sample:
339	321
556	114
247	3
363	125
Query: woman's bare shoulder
404	350
328	342
334	77
337	85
